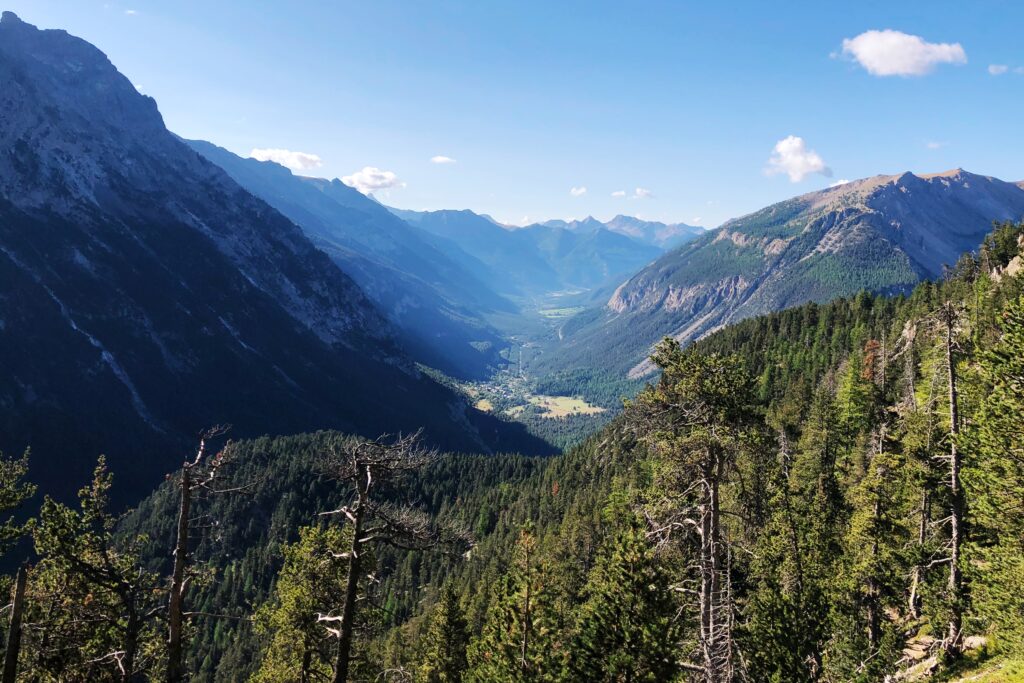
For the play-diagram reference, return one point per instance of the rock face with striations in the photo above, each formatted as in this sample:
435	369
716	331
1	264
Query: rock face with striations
882	234
145	295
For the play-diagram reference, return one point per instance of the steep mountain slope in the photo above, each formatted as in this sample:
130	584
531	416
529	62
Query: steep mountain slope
539	258
882	234
435	303
145	295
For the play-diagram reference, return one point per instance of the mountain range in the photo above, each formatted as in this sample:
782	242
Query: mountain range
152	286
146	295
546	257
881	234
663	235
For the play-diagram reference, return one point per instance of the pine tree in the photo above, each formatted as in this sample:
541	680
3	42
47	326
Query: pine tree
517	642
698	423
996	481
92	604
444	652
298	647
865	639
625	629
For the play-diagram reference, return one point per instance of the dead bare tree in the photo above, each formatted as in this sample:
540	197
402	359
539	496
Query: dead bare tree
202	474
368	466
953	643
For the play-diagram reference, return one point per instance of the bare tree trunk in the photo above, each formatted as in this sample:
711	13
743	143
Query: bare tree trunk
348	610
709	573
954	637
874	593
131	647
10	673
175	607
307	661
917	574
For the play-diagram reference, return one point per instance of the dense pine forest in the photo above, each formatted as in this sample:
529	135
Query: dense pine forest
833	492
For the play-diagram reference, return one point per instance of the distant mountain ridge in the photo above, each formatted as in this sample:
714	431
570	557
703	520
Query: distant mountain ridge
663	235
146	295
555	255
882	234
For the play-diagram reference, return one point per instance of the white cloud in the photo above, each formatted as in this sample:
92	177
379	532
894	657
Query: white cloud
296	161
441	159
131	12
894	53
618	194
578	191
792	157
935	144
642	193
696	220
372	179
998	69
841	181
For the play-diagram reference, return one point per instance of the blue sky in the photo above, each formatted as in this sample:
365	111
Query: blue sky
678	105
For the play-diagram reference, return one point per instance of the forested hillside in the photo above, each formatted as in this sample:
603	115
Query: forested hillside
828	493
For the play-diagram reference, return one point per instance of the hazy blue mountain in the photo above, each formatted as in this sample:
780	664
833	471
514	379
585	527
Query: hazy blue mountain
881	234
434	301
540	258
587	257
664	235
146	295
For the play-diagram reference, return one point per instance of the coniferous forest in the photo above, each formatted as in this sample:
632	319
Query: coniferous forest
833	492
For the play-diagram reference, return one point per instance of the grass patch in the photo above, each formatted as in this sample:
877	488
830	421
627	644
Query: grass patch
563	406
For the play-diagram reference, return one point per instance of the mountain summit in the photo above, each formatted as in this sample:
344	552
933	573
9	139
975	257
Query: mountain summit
882	234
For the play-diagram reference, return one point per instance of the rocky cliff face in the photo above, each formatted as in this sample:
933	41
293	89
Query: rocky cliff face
144	295
883	234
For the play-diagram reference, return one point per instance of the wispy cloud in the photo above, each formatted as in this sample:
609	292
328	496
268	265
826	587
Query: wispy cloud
841	181
792	157
372	179
131	12
935	144
578	191
1000	69
642	193
441	159
618	194
894	53
296	161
